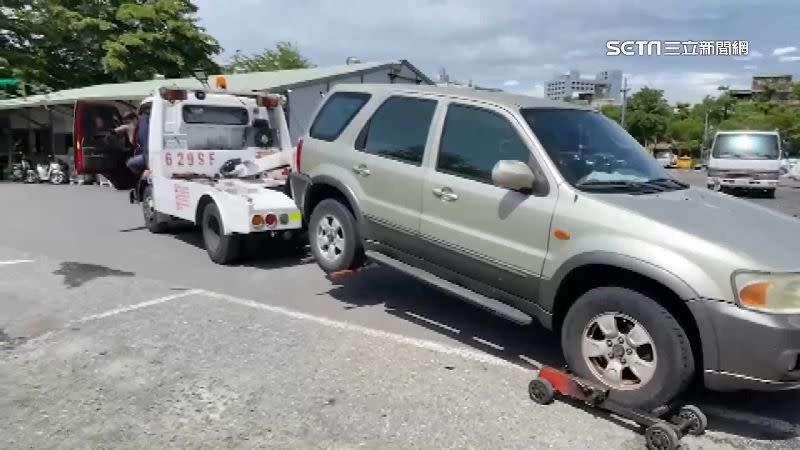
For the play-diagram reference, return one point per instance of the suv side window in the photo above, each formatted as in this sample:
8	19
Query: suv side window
398	129
474	139
336	114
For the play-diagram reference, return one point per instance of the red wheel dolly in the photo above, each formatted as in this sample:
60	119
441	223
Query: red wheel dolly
664	427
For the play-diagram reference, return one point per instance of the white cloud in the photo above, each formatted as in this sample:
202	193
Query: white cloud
511	83
494	42
750	67
783	51
789	58
686	86
571	54
536	91
751	55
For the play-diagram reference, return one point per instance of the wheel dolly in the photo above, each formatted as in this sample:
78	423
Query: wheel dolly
663	427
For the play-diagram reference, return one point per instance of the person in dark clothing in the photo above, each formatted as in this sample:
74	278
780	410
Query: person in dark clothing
138	163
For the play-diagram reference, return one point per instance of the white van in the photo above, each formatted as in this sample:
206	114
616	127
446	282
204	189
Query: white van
745	159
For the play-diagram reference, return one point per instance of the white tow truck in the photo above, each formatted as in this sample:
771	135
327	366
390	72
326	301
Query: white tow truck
216	159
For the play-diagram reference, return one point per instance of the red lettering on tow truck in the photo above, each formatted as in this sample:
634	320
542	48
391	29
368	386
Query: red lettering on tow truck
182	197
201	159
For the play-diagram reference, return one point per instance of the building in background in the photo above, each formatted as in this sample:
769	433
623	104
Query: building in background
779	87
38	125
445	81
606	85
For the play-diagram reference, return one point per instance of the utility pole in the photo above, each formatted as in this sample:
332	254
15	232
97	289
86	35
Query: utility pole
624	91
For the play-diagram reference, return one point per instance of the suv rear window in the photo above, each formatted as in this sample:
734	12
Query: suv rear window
399	129
336	114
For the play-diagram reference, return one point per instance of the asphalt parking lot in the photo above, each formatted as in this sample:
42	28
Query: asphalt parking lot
113	337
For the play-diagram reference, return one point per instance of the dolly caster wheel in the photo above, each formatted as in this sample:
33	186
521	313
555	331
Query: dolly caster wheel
697	420
661	437
541	391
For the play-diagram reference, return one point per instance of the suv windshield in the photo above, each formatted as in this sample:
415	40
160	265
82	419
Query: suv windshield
591	150
746	146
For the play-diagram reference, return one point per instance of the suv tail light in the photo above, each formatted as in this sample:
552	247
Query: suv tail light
298	155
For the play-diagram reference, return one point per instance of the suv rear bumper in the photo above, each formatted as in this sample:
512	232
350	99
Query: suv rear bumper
299	184
754	350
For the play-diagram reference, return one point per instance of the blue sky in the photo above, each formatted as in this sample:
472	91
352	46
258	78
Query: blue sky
518	45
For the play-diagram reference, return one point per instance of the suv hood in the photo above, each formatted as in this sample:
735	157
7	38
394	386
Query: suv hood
761	235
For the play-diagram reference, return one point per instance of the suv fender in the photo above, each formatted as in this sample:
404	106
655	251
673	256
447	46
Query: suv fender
695	304
316	192
549	289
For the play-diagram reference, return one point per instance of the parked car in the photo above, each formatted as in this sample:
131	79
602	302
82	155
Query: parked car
667	158
490	197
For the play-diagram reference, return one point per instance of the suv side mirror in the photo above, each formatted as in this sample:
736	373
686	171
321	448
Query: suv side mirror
513	175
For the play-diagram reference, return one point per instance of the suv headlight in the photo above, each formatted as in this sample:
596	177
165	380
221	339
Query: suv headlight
770	292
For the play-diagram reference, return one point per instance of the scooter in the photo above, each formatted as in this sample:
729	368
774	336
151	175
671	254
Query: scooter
20	171
55	171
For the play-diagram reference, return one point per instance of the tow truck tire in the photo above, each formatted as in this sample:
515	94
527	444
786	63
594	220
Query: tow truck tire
770	193
662	341
345	251
222	248
153	220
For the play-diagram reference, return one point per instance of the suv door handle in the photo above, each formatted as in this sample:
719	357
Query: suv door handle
362	170
446	194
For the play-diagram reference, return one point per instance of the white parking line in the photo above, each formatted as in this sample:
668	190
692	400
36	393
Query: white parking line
15	261
136	306
398	338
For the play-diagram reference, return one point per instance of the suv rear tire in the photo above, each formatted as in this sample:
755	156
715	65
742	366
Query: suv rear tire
657	356
334	237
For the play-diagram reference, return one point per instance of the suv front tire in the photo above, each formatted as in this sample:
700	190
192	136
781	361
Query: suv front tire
334	237
630	343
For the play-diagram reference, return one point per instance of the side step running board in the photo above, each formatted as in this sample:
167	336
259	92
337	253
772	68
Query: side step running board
499	308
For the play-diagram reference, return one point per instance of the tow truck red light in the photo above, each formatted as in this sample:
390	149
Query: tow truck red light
297	154
269	101
270	219
173	95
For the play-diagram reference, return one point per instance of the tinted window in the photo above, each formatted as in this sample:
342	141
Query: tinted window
588	146
746	146
217	115
337	112
399	129
474	139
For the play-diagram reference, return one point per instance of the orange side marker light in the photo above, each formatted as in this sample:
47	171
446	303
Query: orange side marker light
561	234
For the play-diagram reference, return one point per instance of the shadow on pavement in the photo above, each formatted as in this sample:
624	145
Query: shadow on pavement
260	252
411	300
763	416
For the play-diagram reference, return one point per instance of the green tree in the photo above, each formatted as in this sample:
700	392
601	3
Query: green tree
72	43
284	56
613	112
648	115
796	90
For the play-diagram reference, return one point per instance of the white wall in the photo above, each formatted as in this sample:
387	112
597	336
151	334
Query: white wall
302	104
